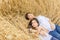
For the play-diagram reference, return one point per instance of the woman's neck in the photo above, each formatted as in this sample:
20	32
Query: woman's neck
36	27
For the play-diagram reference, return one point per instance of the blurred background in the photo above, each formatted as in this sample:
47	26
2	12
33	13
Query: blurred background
13	25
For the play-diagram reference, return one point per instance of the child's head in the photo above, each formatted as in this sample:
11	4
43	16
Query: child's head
34	23
29	16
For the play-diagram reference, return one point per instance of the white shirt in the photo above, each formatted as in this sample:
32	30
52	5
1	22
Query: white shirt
44	21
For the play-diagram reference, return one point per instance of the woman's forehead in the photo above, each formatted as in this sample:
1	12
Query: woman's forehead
33	20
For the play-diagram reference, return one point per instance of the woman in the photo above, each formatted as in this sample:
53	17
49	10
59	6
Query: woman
43	32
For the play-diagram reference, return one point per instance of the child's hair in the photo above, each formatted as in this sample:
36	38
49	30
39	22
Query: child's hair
26	16
30	23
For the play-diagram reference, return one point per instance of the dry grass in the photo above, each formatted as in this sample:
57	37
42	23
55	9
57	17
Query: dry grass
12	22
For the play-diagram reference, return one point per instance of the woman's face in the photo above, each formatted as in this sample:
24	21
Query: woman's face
34	23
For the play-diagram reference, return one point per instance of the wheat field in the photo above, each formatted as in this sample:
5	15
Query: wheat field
13	25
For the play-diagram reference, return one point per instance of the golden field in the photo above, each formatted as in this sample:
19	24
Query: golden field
13	25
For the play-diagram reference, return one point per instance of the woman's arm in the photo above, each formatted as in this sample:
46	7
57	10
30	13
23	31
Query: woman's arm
42	31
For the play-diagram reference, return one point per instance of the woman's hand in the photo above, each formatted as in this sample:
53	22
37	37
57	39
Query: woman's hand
43	31
32	30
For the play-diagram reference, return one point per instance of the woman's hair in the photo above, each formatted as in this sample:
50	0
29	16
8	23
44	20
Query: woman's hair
26	15
30	23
